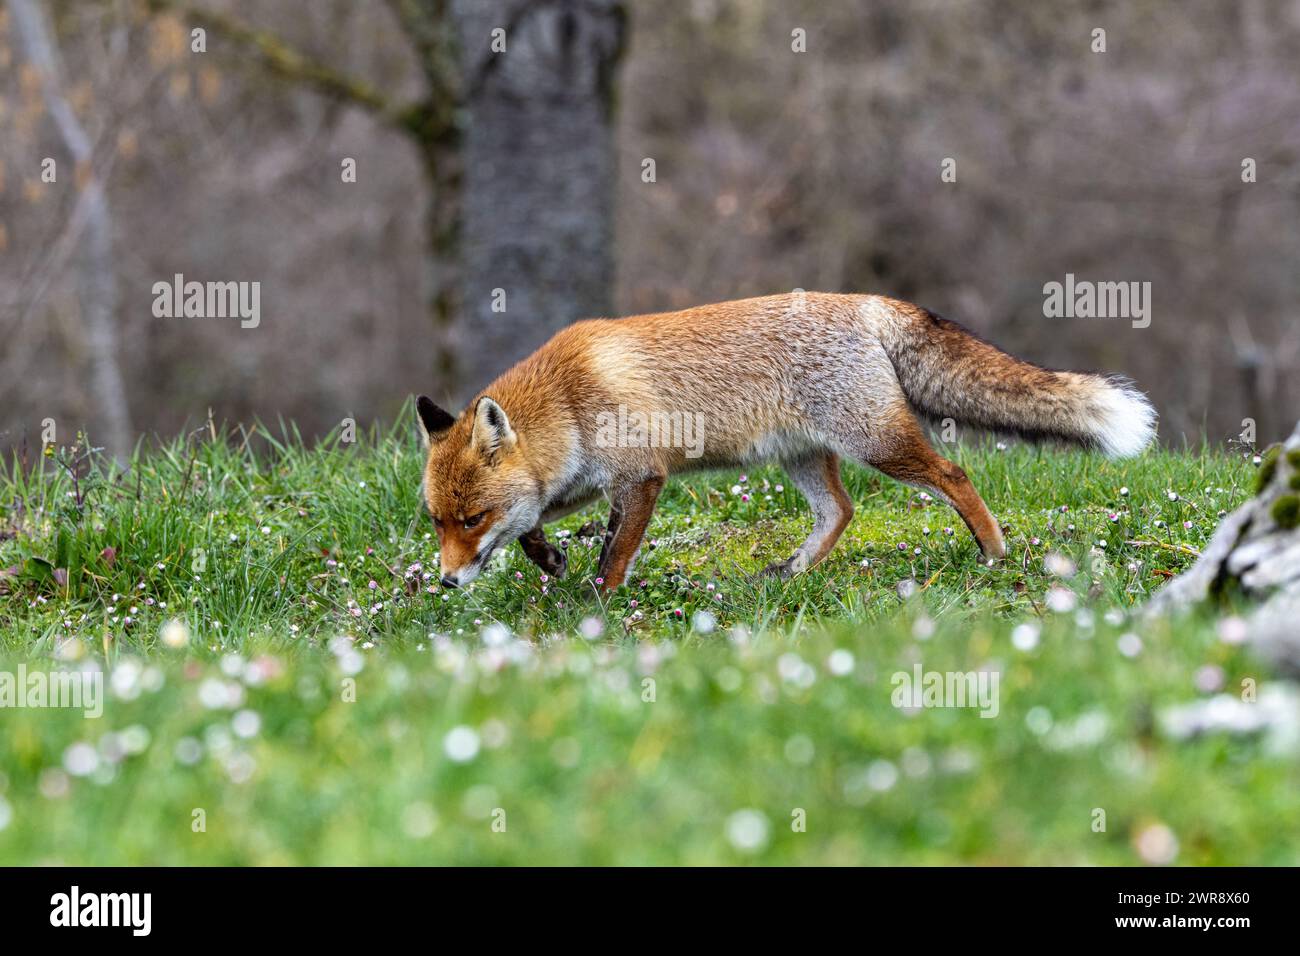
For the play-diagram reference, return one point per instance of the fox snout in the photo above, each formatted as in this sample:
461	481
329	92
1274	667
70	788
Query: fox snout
459	560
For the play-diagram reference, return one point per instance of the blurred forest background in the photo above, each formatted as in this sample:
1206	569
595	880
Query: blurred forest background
525	171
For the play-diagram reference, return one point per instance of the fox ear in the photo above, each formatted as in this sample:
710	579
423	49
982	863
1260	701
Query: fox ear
492	435
432	418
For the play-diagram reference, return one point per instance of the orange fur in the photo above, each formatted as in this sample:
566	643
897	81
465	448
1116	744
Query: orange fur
802	379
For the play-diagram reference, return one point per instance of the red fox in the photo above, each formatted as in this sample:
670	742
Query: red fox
803	379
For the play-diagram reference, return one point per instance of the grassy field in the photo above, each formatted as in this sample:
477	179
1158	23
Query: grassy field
286	683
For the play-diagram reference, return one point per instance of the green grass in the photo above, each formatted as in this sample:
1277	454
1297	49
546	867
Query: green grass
689	718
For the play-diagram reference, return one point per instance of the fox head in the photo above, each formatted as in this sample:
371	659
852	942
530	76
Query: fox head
477	486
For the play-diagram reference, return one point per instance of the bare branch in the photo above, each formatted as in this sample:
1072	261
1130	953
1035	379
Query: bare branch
291	64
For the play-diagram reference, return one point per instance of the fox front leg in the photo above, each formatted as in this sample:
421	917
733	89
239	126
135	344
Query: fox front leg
630	516
542	553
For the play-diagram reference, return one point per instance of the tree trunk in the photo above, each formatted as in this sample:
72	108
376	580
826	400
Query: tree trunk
538	183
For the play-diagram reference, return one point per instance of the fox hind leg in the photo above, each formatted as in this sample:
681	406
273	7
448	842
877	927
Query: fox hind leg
903	453
817	476
611	529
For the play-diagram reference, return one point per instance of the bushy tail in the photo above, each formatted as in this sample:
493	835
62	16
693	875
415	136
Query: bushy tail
949	372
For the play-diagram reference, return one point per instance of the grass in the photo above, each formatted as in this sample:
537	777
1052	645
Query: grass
321	700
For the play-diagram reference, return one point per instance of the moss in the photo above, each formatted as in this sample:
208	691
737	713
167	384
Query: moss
1267	468
1286	511
1293	457
1295	482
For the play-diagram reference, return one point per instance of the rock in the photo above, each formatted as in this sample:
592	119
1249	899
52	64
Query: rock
1255	553
1275	716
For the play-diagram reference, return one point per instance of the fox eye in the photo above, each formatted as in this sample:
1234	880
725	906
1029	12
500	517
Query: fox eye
437	522
473	521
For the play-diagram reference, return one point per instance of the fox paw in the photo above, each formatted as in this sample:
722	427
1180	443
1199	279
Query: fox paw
784	570
553	561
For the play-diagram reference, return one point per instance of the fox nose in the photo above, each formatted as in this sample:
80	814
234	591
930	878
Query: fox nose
448	581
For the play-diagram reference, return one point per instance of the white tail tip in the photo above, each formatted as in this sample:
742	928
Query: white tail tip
1125	420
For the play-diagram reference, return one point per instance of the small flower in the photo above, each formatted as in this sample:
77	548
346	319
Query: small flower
1130	645
703	622
747	830
1025	636
1061	600
461	744
1209	678
1156	844
1233	630
1059	565
175	634
840	663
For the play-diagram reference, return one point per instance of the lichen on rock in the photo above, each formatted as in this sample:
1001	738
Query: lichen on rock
1254	554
